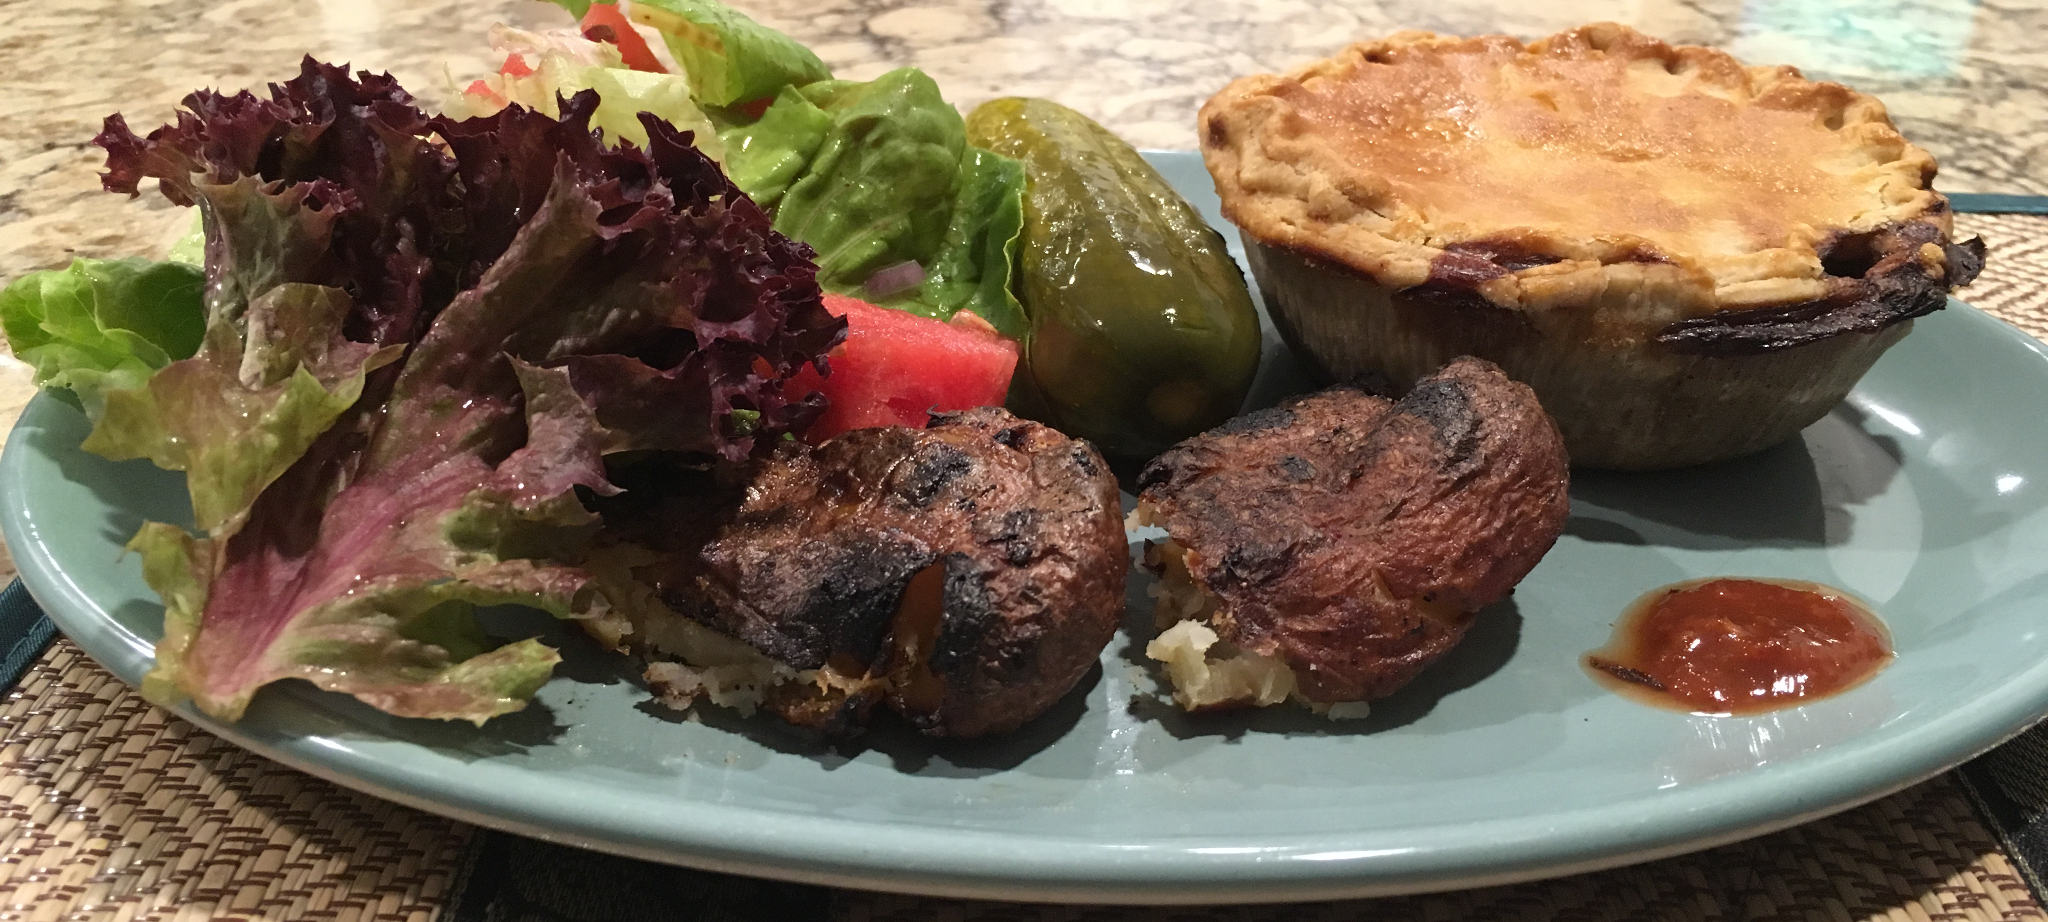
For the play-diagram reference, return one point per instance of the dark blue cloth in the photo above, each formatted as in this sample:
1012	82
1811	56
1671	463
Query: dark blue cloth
1989	203
24	634
515	879
2009	786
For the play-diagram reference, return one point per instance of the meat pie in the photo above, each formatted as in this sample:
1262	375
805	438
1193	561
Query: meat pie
1688	258
966	575
1328	549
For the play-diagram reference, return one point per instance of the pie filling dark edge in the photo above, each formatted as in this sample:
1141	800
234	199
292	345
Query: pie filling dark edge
1874	280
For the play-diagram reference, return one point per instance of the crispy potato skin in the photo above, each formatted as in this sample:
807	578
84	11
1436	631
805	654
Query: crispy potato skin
1352	536
968	574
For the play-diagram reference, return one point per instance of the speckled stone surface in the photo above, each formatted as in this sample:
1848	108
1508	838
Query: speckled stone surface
1968	79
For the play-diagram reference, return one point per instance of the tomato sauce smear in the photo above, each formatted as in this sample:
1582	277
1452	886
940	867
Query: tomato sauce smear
1741	646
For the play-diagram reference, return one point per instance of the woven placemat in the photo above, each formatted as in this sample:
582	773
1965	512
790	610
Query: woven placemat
2015	282
111	808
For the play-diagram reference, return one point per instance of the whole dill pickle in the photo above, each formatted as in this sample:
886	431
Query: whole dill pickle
1141	330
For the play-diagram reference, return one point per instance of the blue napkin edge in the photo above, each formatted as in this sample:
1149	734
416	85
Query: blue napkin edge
24	631
1997	203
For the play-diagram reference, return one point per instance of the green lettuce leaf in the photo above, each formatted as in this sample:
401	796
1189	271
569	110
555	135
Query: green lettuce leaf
972	268
879	173
385	613
881	188
623	94
730	59
765	156
191	247
237	415
103	325
565	65
870	174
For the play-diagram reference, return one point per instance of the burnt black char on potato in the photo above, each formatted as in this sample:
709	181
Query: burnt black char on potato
1349	538
966	575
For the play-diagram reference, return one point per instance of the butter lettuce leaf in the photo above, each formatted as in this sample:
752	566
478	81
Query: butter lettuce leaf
972	269
881	187
766	156
103	325
190	247
730	59
880	173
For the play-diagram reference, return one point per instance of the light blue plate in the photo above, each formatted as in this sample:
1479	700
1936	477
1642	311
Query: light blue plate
1925	495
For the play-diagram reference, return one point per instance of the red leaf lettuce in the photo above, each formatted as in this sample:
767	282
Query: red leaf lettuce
423	339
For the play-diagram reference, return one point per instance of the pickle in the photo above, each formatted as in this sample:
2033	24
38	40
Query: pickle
1141	330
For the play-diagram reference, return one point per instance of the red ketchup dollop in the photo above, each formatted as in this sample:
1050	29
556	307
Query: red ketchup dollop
1740	646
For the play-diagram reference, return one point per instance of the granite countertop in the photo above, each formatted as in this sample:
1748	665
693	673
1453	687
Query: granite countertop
1966	79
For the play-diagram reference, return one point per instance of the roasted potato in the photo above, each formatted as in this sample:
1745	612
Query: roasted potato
1328	549
966	575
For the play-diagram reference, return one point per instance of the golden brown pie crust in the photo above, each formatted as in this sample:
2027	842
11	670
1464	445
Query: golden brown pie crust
1637	183
1686	258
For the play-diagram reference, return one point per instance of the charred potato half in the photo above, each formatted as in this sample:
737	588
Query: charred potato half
1328	549
966	576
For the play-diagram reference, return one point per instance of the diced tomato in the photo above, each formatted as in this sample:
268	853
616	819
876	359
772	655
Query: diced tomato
605	22
895	368
480	88
754	110
514	66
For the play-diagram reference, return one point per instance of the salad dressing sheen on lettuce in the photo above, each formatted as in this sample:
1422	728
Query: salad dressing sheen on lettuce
871	175
416	340
880	173
418	343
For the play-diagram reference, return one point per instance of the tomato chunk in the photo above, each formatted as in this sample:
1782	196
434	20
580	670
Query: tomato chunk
483	90
896	368
605	22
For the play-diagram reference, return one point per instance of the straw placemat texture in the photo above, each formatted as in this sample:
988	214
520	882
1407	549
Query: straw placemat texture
111	808
2014	285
